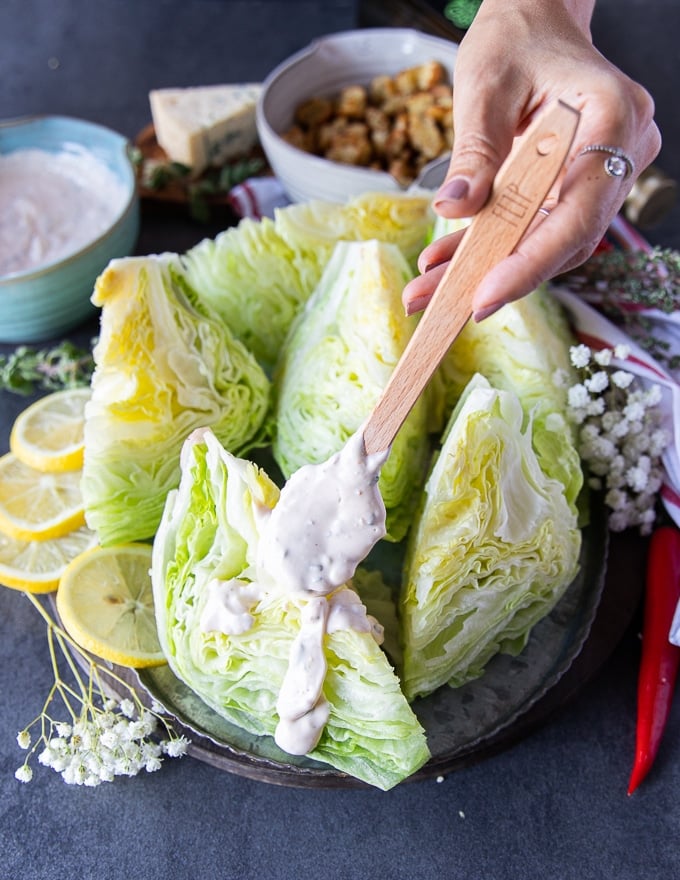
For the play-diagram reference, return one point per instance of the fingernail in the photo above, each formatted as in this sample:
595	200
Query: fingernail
454	190
416	305
480	314
435	265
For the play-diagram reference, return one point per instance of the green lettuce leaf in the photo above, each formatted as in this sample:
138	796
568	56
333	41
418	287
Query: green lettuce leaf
257	275
210	531
248	275
494	546
379	599
519	349
337	359
313	228
164	365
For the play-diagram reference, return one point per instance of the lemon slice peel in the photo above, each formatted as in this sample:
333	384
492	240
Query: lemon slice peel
105	603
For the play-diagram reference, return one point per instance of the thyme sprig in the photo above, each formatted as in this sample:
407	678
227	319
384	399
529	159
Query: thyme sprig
200	191
625	283
27	370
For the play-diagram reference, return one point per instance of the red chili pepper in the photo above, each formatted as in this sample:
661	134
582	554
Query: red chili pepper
660	658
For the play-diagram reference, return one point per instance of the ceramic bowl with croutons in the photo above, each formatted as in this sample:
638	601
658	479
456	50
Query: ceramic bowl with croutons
359	111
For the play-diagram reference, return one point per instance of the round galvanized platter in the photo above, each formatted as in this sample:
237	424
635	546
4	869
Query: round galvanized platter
466	724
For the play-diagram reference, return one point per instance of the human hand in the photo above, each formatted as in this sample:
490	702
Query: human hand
515	59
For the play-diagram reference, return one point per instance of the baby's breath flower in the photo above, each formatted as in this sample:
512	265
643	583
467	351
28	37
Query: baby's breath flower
176	748
634	411
24	773
578	396
127	707
595	407
620	428
589	432
618	464
622	378
637	478
603	357
580	356
616	499
152	764
597	382
102	738
620	435
106	773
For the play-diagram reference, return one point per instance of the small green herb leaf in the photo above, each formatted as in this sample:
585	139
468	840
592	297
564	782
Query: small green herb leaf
26	370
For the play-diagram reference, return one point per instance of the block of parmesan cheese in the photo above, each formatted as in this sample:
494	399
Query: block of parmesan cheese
205	125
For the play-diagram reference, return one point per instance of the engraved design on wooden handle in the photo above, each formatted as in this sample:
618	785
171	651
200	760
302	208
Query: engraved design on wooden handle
520	187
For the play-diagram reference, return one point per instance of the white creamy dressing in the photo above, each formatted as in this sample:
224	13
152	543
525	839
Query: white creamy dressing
228	606
302	708
53	204
327	519
347	611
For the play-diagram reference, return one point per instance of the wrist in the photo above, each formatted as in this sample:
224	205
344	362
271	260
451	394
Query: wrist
579	12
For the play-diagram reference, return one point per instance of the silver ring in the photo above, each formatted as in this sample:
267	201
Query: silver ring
544	211
617	164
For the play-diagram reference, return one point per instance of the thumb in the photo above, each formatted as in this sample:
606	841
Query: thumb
483	137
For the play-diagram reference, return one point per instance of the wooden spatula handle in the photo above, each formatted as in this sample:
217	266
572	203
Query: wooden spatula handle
519	189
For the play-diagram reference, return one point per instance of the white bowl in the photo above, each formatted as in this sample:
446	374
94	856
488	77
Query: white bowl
323	69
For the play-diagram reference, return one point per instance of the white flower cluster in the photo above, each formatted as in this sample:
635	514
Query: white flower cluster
619	435
110	742
104	738
102	744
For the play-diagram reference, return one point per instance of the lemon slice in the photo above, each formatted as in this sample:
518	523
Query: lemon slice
35	505
106	605
48	435
37	566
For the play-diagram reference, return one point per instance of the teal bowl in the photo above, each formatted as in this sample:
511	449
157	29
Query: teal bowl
53	298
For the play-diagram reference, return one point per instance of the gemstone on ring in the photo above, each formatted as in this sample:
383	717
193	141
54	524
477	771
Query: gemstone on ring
615	166
617	163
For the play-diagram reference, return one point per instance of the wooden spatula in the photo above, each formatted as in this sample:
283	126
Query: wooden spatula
519	189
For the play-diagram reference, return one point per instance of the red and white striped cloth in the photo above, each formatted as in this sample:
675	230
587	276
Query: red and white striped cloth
258	197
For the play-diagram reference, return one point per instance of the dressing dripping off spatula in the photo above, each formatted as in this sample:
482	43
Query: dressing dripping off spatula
330	515
519	189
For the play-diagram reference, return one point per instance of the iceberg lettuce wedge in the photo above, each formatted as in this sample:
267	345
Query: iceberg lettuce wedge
164	365
210	534
494	546
257	275
519	349
337	359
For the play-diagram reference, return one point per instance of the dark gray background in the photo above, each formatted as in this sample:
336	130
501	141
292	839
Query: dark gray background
553	806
